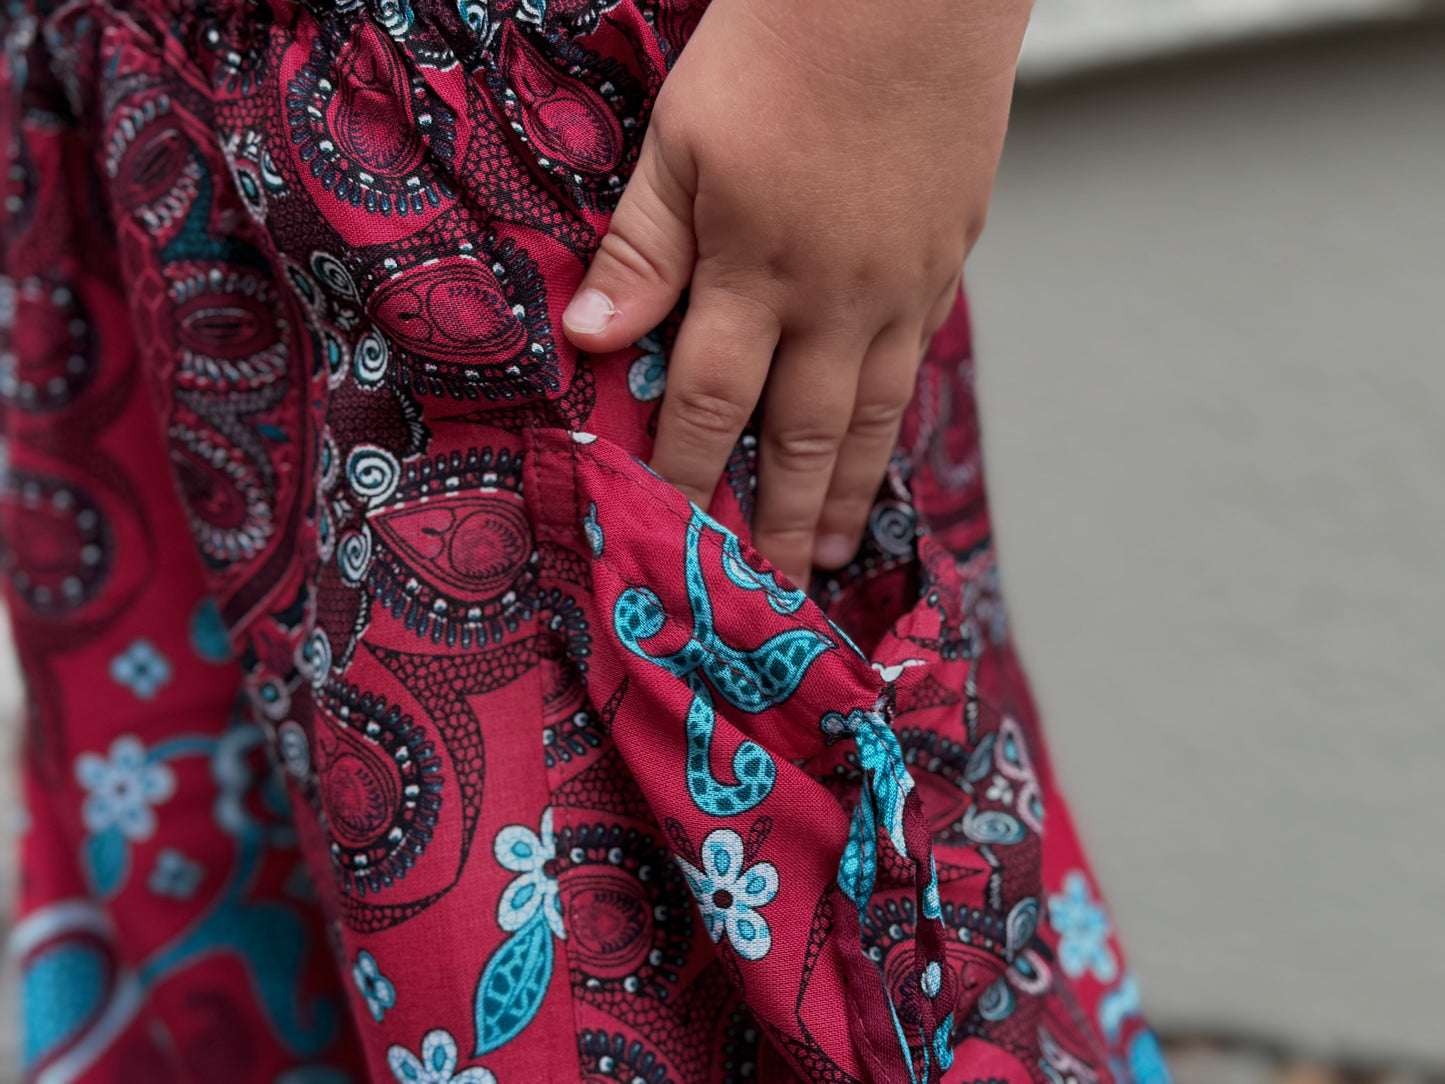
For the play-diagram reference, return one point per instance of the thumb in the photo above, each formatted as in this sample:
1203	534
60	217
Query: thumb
642	265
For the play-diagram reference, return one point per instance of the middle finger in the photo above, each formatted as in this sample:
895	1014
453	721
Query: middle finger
807	403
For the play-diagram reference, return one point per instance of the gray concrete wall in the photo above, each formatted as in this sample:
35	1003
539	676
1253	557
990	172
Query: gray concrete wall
1074	35
1213	370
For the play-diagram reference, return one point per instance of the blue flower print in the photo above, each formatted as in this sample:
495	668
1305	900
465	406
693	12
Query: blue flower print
174	875
141	669
1146	1060
374	987
122	788
647	376
729	892
437	1063
1117	1006
532	857
1083	927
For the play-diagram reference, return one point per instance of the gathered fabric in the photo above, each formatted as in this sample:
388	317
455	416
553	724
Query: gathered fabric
387	720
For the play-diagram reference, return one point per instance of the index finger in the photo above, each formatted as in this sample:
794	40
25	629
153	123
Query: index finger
714	378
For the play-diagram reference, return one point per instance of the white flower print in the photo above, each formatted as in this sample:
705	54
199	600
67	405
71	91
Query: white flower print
1083	927
123	787
437	1063
533	858
1000	790
729	892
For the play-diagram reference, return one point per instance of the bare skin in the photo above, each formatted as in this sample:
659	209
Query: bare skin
817	171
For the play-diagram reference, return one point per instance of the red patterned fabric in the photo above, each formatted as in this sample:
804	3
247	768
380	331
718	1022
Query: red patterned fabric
388	720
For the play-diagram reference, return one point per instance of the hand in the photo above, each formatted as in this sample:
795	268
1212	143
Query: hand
817	171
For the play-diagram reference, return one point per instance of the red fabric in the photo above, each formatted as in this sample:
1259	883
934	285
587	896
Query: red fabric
387	719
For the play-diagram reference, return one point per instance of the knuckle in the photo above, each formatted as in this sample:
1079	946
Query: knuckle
877	420
745	292
803	449
706	412
632	258
786	538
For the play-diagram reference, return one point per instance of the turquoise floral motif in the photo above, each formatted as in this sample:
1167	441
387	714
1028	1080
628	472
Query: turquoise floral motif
729	893
514	982
141	669
647	376
1083	927
269	938
375	988
881	802
174	875
932	905
785	600
751	681
1117	1006
208	633
122	786
1146	1060
942	1049
593	530
880	755
62	987
512	986
436	1064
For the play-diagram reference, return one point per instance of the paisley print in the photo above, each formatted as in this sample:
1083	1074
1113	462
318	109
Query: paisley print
381	786
388	720
368	134
453	556
463	325
574	114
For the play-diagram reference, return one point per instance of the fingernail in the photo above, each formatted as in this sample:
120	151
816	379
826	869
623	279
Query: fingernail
590	312
832	550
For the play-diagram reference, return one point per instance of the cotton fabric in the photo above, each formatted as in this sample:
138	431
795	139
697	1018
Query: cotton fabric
387	719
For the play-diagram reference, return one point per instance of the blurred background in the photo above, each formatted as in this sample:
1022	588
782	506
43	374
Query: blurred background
1208	312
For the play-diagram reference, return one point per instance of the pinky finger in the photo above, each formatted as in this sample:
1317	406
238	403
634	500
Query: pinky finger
942	308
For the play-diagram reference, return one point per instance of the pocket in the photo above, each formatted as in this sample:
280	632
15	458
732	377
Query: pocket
726	687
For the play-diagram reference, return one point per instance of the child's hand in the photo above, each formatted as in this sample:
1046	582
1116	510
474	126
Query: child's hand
817	170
